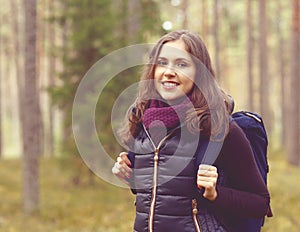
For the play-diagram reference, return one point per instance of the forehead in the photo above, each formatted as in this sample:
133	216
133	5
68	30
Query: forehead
174	49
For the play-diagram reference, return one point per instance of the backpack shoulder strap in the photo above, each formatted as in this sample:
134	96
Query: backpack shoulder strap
254	129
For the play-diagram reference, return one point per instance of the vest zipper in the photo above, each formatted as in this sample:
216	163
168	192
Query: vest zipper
156	158
195	218
151	214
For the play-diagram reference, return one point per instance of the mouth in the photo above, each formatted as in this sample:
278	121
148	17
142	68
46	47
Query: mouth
169	84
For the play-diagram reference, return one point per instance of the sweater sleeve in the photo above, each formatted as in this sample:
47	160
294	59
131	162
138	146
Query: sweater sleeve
246	193
131	158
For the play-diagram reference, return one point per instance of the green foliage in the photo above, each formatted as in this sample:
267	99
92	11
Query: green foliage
107	101
94	28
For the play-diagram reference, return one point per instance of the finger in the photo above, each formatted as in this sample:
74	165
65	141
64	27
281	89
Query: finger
123	166
120	172
207	170
207	178
126	171
124	156
209	188
206	184
202	173
116	169
207	167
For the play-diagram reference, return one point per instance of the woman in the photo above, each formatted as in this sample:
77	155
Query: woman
191	168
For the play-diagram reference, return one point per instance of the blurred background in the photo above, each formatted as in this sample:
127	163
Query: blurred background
46	48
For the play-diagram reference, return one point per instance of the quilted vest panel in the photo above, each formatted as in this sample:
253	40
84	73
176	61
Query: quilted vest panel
168	205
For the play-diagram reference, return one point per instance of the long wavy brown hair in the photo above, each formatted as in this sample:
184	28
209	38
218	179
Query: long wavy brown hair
211	103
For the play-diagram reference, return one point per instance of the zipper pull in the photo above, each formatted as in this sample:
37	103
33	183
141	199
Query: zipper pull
194	206
196	220
156	154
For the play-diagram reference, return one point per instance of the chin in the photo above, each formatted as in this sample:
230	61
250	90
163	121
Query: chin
174	101
168	98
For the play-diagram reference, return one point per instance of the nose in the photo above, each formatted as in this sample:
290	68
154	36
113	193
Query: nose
170	71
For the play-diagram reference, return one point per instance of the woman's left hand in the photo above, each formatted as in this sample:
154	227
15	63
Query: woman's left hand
207	178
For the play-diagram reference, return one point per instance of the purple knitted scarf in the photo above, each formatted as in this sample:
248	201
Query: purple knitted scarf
161	117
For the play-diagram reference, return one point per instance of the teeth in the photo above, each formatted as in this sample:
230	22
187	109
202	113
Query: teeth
169	84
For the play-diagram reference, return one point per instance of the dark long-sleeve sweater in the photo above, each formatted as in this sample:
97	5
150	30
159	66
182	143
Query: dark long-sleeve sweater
245	194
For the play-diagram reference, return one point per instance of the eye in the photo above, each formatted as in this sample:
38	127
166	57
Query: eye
182	64
162	62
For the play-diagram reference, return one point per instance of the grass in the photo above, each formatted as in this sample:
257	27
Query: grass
285	192
63	206
101	207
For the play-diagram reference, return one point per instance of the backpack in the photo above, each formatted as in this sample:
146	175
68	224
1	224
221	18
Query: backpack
254	129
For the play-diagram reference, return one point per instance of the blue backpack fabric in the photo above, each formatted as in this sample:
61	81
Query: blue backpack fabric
254	129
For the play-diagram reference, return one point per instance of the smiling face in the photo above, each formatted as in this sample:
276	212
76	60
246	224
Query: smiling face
175	71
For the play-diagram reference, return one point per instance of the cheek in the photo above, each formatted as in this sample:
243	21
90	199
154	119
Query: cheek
155	84
190	77
189	83
157	73
156	81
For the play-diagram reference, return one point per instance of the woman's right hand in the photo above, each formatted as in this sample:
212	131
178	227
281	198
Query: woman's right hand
122	168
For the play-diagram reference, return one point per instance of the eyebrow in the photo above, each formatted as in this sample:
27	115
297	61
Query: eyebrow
177	59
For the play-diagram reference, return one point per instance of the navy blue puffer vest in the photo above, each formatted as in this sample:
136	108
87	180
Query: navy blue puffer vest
164	180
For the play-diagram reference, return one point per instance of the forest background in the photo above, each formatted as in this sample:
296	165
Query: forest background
47	47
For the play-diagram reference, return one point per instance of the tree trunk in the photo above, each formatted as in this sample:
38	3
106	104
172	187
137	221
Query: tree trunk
31	113
1	110
1	140
133	19
52	71
204	24
8	84
18	61
263	66
11	113
282	75
216	38
294	126
41	27
64	37
250	56
184	9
